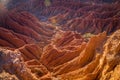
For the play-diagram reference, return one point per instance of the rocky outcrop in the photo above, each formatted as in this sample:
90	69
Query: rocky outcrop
66	41
25	32
67	59
93	61
13	63
6	76
111	57
31	51
64	47
26	26
94	16
69	56
95	22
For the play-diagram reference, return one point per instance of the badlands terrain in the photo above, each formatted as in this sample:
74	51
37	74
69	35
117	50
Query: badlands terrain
59	40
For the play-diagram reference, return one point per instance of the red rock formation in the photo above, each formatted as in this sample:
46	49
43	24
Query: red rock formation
92	62
6	76
95	22
68	44
25	32
40	54
93	18
69	56
31	51
82	16
12	62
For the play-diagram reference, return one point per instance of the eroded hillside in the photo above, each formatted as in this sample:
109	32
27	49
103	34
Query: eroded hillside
60	40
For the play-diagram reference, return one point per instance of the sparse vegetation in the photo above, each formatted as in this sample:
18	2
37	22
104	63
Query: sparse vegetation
88	35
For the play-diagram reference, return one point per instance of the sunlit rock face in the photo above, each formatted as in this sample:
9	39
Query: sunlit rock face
74	61
64	47
97	59
72	58
6	76
59	39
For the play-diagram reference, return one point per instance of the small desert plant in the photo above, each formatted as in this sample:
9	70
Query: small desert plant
88	35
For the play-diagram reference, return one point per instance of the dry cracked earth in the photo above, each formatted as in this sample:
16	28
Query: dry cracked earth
59	40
